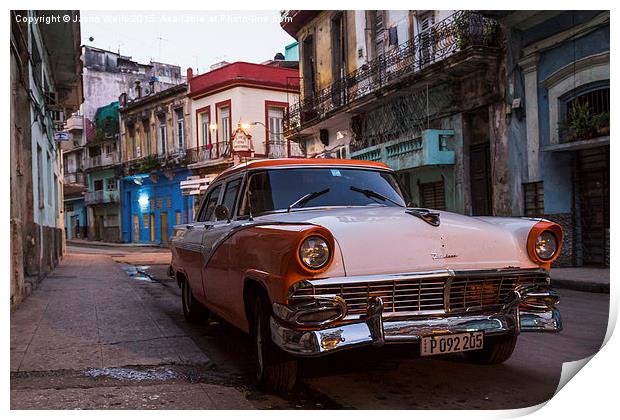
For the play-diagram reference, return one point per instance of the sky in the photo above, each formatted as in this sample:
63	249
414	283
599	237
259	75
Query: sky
194	39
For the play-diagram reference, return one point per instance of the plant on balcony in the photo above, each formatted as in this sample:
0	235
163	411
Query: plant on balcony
580	124
462	27
148	164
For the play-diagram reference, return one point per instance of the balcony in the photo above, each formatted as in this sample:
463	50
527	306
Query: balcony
103	160
216	152
433	147
462	31
74	178
75	123
101	197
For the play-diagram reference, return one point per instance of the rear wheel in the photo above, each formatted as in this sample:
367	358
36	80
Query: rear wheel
193	311
276	370
497	349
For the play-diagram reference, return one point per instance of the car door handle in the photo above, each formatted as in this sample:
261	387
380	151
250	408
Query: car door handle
190	226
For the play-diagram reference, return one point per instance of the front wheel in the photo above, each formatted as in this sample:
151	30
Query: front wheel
193	311
497	349
276	370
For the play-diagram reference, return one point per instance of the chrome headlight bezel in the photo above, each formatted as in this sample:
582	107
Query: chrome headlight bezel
314	246
546	239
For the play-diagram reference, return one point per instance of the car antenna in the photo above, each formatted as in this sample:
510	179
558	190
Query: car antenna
248	194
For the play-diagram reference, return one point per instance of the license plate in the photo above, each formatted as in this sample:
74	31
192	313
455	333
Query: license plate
451	343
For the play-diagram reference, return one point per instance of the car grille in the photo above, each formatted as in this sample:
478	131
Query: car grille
467	290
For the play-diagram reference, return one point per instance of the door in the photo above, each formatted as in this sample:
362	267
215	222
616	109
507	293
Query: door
152	227
163	223
215	276
136	228
480	178
190	250
593	187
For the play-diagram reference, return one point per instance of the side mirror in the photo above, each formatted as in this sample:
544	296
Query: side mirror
221	212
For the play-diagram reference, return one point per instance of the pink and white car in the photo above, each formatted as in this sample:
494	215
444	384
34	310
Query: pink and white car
314	256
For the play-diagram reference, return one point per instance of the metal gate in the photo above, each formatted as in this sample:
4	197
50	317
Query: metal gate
593	189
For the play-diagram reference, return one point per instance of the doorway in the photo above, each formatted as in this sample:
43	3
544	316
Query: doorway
592	182
480	176
163	218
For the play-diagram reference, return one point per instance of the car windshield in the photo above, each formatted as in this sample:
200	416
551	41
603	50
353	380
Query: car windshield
279	189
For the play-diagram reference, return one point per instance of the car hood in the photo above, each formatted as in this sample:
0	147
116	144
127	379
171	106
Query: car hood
379	240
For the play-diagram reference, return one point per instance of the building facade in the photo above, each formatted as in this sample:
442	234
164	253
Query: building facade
94	142
419	90
46	85
236	112
559	128
155	133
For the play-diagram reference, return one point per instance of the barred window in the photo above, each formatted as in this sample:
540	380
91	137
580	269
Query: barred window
534	198
432	195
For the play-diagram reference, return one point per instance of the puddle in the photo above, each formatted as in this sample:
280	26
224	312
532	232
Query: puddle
138	272
128	374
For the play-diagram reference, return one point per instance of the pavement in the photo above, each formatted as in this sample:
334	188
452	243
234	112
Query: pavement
87	319
585	279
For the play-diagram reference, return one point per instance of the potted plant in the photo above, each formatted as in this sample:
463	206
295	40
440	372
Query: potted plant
580	124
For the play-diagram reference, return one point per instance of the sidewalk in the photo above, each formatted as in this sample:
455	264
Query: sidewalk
84	242
88	314
585	279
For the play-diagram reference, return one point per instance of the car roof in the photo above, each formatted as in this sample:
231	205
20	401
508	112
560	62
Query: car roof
274	163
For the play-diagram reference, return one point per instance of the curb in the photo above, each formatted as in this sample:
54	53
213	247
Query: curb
581	286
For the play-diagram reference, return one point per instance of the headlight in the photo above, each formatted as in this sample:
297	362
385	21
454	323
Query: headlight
546	245
314	252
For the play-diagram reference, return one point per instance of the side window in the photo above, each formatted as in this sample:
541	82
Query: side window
209	206
230	195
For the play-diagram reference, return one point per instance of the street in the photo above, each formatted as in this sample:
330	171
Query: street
105	330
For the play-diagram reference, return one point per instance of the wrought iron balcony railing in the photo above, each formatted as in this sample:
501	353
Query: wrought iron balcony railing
208	152
457	32
74	178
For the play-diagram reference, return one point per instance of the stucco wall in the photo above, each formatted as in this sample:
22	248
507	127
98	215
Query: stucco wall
247	106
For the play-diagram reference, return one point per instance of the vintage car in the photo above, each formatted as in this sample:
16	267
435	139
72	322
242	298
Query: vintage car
314	256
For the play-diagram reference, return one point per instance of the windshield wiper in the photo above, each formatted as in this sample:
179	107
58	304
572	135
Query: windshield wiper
374	194
310	196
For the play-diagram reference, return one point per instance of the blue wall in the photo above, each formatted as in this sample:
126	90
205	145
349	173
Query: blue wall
79	210
163	196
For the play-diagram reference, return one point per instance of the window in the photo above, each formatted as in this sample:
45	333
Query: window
177	219
162	135
534	199
230	195
210	202
277	189
109	149
49	179
110	184
180	129
147	137
40	176
204	124
224	125
432	195
589	105
98	184
277	144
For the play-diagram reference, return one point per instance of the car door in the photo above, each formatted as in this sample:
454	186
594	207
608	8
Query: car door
215	275
191	251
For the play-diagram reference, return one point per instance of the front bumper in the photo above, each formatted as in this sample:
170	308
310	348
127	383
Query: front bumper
376	330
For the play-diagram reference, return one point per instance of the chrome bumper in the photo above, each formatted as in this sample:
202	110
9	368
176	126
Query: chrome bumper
376	330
